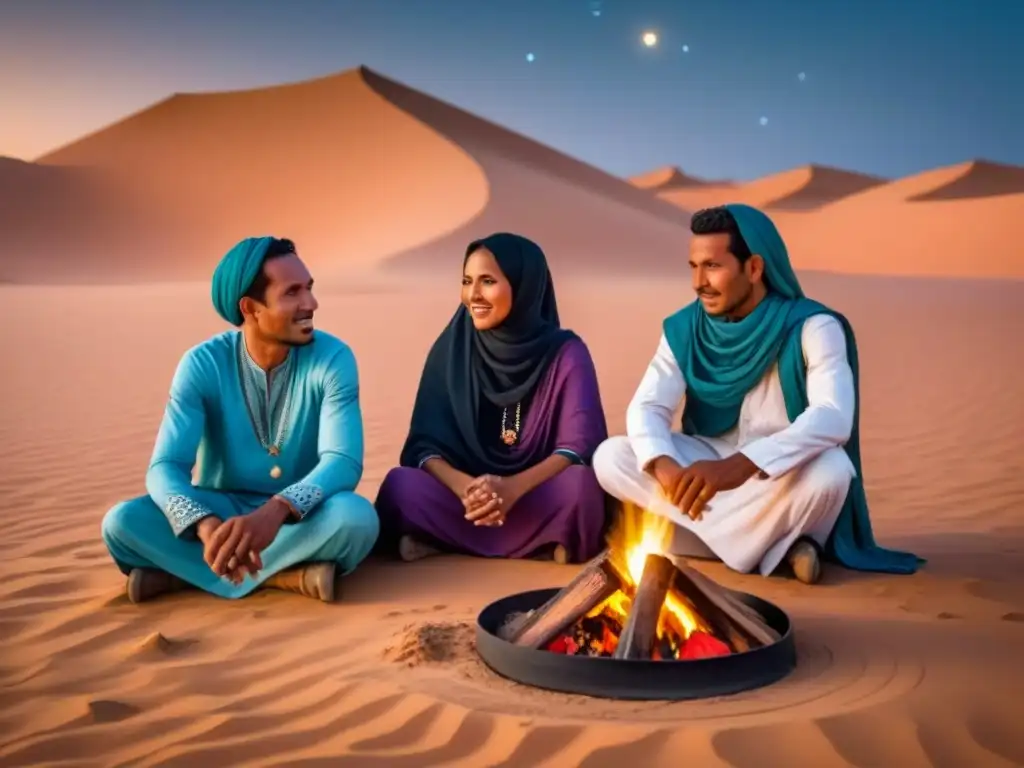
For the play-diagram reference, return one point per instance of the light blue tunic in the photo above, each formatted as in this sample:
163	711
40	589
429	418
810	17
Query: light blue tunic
314	398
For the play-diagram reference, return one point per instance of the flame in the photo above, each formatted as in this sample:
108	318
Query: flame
638	534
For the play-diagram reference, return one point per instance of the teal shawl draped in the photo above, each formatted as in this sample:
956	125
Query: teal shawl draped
722	361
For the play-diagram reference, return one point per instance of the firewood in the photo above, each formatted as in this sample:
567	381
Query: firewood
717	620
595	583
723	603
757	621
641	630
512	623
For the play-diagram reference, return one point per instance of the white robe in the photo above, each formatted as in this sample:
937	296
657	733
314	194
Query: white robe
805	473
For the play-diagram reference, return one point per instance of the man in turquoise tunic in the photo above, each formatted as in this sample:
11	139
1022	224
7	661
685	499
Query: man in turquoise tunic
269	417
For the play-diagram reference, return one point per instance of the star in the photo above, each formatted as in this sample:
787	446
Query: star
530	57
686	49
650	39
802	76
764	120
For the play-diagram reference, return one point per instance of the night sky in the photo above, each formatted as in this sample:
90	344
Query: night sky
889	87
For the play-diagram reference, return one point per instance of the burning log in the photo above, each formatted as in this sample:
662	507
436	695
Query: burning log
737	623
640	634
594	584
635	602
718	621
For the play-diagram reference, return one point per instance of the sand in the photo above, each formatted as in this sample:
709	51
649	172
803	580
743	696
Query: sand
375	179
672	177
800	189
382	187
356	168
947	222
944	222
909	671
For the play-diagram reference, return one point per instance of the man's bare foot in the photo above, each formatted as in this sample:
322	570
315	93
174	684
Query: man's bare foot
409	549
314	580
146	583
803	559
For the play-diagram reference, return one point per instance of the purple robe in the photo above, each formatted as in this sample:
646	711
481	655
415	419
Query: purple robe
564	415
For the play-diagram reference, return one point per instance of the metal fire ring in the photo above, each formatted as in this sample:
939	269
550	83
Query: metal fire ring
633	679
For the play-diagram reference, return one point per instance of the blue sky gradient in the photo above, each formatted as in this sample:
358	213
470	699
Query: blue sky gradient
890	88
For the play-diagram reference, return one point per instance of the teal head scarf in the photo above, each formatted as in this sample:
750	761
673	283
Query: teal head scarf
722	360
235	273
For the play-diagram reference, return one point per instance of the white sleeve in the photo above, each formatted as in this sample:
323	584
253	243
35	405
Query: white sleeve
828	420
649	416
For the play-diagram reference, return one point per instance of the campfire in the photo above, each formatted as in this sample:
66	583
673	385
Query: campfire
634	602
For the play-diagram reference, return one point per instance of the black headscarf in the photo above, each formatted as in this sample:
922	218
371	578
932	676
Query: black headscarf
501	366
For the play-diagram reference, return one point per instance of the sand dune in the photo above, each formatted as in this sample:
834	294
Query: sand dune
355	168
970	180
979	179
950	221
799	189
51	216
892	671
583	217
371	176
327	162
671	177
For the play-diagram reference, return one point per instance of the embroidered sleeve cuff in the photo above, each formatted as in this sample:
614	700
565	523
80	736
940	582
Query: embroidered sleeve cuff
647	449
571	455
303	497
183	513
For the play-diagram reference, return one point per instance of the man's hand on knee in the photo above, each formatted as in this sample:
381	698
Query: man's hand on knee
699	482
205	529
234	547
691	488
236	571
671	476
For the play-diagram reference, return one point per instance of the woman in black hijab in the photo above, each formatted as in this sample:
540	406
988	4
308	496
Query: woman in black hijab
507	416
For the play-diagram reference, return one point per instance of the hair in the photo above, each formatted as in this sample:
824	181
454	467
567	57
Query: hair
278	247
716	221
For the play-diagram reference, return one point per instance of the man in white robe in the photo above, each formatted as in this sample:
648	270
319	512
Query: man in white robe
769	488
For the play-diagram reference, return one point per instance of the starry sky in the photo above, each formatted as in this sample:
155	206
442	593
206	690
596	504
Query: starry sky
889	87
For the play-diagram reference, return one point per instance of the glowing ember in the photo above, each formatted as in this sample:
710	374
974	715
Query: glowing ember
681	634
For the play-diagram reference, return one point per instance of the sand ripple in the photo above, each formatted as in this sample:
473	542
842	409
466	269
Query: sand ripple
892	671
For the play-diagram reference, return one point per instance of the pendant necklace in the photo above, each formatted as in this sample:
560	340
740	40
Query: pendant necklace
510	436
272	447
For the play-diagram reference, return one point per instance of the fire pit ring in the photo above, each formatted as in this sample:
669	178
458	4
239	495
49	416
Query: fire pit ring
634	679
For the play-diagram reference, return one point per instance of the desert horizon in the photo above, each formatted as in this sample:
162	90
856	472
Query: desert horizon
158	194
104	285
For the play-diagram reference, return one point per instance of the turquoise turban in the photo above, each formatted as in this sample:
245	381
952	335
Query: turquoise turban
234	275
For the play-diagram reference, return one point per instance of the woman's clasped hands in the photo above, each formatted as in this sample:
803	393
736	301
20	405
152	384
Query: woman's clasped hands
488	498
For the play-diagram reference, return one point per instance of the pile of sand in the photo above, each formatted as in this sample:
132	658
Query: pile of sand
432	642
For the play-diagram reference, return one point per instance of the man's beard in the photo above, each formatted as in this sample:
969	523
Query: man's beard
733	306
